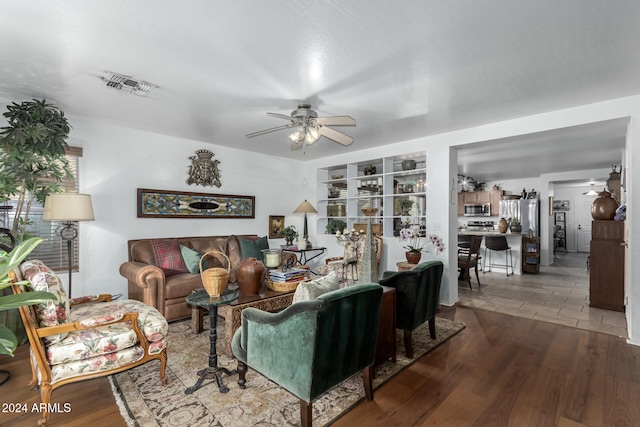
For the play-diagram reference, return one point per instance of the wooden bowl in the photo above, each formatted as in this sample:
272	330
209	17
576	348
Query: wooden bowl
369	211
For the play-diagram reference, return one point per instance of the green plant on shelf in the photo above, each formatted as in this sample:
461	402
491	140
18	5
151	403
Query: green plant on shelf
405	206
334	225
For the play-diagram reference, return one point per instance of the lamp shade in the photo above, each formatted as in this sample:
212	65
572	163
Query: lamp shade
68	207
305	207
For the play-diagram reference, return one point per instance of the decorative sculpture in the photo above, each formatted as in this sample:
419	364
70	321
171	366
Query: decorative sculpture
203	171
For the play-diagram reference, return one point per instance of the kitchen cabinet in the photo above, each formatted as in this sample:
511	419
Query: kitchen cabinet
495	197
395	185
475	197
492	197
607	264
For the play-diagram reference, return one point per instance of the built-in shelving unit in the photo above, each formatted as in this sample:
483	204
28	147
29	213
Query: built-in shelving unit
390	184
560	229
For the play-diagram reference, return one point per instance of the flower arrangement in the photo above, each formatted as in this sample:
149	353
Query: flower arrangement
415	244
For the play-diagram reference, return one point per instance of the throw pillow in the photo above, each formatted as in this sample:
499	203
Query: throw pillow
253	249
191	259
168	257
307	291
51	313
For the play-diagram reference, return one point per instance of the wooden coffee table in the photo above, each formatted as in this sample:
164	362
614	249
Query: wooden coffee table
266	300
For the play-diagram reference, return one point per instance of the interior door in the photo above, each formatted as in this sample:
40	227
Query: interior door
583	232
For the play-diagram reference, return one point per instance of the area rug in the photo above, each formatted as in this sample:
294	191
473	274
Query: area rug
144	402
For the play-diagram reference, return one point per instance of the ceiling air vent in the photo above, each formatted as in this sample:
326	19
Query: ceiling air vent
120	81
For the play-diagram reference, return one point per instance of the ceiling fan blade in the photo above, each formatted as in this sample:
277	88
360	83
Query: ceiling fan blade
262	132
297	145
336	121
280	116
338	137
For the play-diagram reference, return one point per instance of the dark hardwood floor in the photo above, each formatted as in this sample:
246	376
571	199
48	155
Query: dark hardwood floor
500	371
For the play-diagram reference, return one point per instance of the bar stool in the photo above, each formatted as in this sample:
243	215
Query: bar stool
497	244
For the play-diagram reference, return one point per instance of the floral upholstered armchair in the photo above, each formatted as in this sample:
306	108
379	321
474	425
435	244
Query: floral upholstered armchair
347	267
87	337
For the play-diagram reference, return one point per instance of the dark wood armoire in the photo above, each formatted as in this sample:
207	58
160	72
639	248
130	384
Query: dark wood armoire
607	265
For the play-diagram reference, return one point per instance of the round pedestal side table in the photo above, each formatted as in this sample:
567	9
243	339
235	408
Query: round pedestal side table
202	299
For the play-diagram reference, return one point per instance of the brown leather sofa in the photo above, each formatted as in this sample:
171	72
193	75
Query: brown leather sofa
147	282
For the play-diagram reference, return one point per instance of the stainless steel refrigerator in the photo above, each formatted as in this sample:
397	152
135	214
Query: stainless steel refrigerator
526	210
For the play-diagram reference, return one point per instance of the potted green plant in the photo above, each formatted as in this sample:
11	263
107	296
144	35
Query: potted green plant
290	234
334	225
32	157
8	261
405	206
515	225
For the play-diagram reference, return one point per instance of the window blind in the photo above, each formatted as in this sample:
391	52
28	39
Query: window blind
53	250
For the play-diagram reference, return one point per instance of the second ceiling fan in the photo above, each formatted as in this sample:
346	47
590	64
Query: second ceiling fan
310	127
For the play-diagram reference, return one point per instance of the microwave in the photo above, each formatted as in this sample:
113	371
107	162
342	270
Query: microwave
483	209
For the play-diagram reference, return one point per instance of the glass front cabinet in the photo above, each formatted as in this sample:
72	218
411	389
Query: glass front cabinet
395	186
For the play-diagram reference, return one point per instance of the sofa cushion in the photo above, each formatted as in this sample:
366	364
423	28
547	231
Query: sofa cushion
168	257
181	285
253	249
191	259
52	313
307	291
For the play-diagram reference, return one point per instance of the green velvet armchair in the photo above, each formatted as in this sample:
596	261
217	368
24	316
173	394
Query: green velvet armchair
312	346
417	298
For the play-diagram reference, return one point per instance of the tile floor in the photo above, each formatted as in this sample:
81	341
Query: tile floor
558	294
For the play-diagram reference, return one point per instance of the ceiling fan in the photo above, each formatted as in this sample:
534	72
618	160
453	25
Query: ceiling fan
310	127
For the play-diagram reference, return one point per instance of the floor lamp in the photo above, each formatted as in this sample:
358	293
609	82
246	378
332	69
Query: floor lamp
305	208
68	208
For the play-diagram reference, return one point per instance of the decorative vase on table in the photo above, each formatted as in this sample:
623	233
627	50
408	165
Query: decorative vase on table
413	257
302	243
604	206
503	225
250	274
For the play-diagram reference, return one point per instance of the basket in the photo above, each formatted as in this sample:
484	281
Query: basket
215	279
285	286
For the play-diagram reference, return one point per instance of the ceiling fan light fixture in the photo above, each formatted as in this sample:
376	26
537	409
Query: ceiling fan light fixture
312	135
297	135
591	192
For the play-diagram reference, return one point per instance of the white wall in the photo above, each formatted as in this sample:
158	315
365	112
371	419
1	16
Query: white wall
116	161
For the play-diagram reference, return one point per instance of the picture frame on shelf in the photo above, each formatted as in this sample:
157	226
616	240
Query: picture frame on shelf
276	225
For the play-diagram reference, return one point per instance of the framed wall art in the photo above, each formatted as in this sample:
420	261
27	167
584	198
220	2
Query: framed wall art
561	205
182	204
276	225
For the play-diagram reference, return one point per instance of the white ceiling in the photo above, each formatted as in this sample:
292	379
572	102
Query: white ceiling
403	69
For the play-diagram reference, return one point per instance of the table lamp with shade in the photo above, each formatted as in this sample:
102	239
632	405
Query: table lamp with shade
68	208
305	208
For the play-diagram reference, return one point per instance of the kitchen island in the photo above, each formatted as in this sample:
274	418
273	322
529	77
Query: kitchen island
513	239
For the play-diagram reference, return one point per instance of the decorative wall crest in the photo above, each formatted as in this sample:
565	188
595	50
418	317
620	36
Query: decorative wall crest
203	170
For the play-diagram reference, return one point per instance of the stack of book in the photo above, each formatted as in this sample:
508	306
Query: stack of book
293	275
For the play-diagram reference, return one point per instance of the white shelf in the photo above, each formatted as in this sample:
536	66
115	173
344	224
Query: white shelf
379	190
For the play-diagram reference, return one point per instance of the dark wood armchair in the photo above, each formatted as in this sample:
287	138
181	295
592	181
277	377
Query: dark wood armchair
469	258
